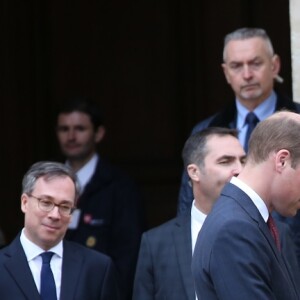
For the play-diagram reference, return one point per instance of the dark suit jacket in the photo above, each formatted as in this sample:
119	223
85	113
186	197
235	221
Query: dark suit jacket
236	257
86	274
164	265
224	118
112	220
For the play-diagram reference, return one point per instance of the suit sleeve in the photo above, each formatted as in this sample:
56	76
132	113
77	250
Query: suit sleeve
144	277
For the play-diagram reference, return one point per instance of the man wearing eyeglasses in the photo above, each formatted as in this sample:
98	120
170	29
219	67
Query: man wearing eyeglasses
48	198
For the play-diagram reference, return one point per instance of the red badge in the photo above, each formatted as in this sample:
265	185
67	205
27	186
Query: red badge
87	218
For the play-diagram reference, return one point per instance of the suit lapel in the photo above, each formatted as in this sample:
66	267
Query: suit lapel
246	203
232	191
71	270
102	177
183	245
17	265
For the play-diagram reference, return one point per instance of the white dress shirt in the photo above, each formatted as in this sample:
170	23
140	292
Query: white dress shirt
86	172
32	252
197	220
256	199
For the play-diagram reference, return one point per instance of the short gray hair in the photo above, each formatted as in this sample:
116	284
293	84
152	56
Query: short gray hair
248	33
47	170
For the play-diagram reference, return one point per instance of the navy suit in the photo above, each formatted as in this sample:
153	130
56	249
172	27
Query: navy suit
164	265
112	220
86	274
236	257
224	118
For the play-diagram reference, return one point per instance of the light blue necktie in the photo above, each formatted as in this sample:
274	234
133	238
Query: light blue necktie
48	289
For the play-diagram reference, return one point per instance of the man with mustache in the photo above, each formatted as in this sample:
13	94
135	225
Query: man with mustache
250	67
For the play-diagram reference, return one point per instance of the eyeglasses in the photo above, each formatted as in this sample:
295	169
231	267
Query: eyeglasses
47	205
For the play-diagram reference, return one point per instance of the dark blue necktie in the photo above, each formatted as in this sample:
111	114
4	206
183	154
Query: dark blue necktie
48	289
251	120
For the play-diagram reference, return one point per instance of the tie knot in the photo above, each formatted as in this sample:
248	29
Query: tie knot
251	118
46	256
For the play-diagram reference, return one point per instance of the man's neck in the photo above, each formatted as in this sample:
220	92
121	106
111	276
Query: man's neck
202	204
251	104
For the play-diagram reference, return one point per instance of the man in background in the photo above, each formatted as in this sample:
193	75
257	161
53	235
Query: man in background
250	67
109	216
211	157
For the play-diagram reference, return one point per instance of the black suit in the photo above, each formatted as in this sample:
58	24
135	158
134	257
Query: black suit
236	257
112	220
86	274
164	264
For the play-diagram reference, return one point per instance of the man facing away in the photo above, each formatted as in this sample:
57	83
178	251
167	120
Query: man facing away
238	254
48	198
250	67
109	216
211	158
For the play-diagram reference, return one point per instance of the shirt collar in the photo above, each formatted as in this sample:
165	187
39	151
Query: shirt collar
32	250
256	199
197	215
262	111
86	172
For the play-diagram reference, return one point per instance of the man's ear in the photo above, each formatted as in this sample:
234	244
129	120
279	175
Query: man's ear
281	159
100	133
24	202
275	65
193	171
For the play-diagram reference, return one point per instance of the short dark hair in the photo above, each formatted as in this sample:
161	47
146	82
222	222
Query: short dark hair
85	105
195	150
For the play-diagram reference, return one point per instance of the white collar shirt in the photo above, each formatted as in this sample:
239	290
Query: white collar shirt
32	252
197	220
85	174
256	199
